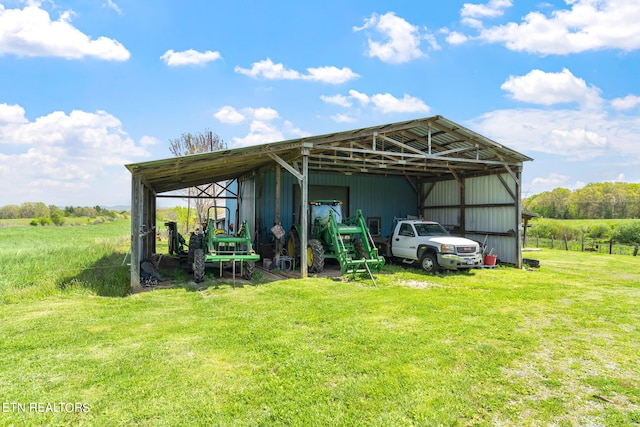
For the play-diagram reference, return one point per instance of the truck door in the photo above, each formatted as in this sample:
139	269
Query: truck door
405	242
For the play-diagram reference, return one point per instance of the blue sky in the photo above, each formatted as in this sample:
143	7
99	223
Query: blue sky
88	86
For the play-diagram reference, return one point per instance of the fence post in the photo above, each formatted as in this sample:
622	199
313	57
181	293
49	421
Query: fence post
583	242
610	246
552	239
635	250
566	243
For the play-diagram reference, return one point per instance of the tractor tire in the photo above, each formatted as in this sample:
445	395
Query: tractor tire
358	246
247	269
195	242
293	244
198	265
429	263
315	256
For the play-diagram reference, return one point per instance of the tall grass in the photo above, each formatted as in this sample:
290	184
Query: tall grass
41	261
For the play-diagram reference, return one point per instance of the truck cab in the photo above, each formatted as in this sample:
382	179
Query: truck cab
431	246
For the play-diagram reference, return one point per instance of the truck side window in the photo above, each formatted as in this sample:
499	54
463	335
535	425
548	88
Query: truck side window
406	230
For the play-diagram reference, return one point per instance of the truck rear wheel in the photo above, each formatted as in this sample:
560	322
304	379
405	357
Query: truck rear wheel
429	263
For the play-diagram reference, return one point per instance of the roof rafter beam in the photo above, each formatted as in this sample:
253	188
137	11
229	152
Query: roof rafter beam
424	156
401	145
286	165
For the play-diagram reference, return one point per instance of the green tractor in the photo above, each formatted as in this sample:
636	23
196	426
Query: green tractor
215	244
348	241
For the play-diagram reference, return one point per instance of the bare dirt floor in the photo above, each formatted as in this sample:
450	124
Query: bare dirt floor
173	272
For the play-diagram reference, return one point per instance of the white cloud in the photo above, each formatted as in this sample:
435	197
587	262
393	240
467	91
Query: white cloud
586	25
342	118
113	6
401	40
456	38
259	133
551	180
73	152
12	114
572	134
626	103
229	115
387	103
265	125
189	57
362	98
490	10
31	32
292	131
384	102
266	69
263	114
539	87
340	100
146	141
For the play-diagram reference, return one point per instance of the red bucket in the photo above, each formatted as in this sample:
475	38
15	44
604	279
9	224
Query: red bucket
490	260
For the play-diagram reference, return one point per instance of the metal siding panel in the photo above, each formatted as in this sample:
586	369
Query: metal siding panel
444	193
498	219
488	189
503	247
248	203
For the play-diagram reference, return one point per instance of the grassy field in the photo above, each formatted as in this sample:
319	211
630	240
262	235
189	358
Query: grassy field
556	345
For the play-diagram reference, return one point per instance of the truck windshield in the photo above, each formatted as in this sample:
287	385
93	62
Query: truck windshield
431	230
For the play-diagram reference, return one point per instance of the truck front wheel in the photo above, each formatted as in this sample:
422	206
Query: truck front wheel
429	263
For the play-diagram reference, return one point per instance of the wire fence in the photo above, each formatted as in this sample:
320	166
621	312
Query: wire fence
585	244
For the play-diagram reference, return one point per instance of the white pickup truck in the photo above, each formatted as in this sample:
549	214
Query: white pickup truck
429	244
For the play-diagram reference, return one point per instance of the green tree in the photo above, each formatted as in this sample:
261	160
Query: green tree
10	212
34	210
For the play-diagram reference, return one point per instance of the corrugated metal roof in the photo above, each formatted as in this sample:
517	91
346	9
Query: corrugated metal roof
432	148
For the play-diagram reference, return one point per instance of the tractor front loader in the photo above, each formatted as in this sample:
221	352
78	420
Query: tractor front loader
219	247
348	241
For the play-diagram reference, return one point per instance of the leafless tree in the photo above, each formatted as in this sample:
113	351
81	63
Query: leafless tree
197	143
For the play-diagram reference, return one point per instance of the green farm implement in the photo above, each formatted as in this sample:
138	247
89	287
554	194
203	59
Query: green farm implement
219	247
215	245
330	237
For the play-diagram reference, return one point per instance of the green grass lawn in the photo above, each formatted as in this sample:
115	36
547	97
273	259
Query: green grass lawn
557	345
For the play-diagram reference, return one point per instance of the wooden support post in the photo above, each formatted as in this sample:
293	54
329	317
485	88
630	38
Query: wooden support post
304	214
136	224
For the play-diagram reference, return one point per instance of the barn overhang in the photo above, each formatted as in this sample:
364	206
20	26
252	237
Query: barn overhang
426	150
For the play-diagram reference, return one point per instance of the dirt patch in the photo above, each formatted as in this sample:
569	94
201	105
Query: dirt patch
417	284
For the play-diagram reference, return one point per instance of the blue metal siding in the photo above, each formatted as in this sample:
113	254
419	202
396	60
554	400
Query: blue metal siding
384	197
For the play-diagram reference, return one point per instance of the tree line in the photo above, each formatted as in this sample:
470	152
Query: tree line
607	200
54	214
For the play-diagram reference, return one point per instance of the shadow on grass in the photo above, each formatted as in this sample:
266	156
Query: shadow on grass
106	277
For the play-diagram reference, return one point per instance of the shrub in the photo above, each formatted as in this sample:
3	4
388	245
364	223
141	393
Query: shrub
627	232
599	231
